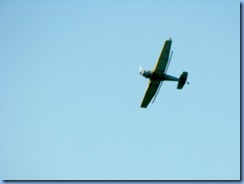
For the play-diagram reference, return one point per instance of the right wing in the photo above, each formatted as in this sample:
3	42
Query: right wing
163	60
151	90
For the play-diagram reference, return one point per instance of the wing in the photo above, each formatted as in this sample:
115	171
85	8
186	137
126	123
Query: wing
163	58
151	90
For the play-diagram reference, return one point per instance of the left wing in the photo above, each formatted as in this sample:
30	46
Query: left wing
151	90
163	58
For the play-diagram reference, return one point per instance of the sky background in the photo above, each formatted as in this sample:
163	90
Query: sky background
71	90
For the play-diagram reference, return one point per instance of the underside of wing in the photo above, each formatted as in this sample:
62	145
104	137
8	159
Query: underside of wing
163	58
151	90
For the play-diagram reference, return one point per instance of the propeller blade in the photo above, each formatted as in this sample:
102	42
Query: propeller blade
140	70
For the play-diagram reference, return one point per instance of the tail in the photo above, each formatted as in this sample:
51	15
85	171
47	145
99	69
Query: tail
182	80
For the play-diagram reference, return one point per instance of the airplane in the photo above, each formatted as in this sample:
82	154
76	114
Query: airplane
158	75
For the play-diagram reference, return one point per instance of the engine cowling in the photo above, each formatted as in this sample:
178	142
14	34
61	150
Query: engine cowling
144	73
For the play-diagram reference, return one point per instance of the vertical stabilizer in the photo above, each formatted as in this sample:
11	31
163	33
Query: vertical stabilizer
182	80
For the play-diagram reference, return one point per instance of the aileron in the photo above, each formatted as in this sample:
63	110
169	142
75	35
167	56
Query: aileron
151	90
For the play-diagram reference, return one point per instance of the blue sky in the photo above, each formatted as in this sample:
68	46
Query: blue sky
71	90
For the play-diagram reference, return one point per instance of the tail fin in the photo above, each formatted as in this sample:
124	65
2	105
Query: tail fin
182	80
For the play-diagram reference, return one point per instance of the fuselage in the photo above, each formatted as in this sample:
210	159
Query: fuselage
155	76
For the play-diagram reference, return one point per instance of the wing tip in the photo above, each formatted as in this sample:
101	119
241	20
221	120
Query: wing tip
144	105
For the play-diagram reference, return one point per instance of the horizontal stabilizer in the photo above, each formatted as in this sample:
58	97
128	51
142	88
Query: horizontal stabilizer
182	80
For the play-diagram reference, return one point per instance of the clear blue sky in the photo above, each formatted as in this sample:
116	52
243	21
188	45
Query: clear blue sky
71	90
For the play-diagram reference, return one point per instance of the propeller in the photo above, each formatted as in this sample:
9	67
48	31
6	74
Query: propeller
141	70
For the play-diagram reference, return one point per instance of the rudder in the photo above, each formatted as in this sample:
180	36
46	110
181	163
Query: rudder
182	80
